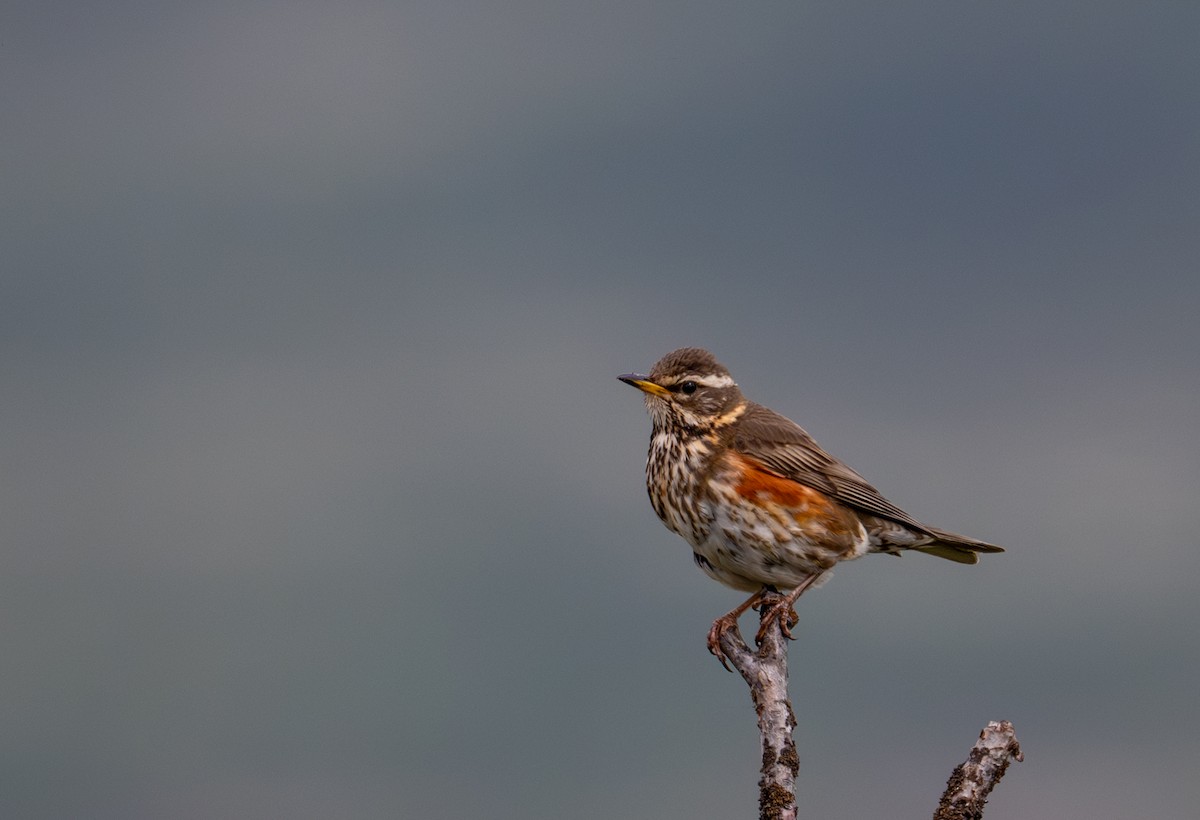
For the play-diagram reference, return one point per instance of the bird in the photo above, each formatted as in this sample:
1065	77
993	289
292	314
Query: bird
764	508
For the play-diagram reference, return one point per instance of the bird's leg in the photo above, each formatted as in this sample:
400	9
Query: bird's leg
727	622
782	611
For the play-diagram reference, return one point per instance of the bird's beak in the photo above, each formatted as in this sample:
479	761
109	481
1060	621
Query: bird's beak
644	384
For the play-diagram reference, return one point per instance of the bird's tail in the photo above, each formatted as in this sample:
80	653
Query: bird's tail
956	547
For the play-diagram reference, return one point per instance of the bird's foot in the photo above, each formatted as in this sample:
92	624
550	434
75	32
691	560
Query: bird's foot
781	612
720	626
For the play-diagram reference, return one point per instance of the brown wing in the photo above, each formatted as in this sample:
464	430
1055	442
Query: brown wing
786	448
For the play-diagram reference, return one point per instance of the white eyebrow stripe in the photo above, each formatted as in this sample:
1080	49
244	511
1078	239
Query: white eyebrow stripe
712	381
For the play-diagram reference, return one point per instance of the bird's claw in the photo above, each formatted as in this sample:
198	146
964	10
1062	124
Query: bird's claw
782	613
720	627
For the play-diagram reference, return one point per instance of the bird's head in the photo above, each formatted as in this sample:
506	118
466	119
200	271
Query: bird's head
689	388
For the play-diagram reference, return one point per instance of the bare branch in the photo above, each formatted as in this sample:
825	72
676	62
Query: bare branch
765	671
971	782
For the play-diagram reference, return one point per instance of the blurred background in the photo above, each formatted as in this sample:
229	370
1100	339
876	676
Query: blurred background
319	495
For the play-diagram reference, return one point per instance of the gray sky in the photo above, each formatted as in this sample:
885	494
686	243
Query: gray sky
320	497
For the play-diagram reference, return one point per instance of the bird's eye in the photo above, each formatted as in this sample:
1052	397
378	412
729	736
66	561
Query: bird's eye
688	387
